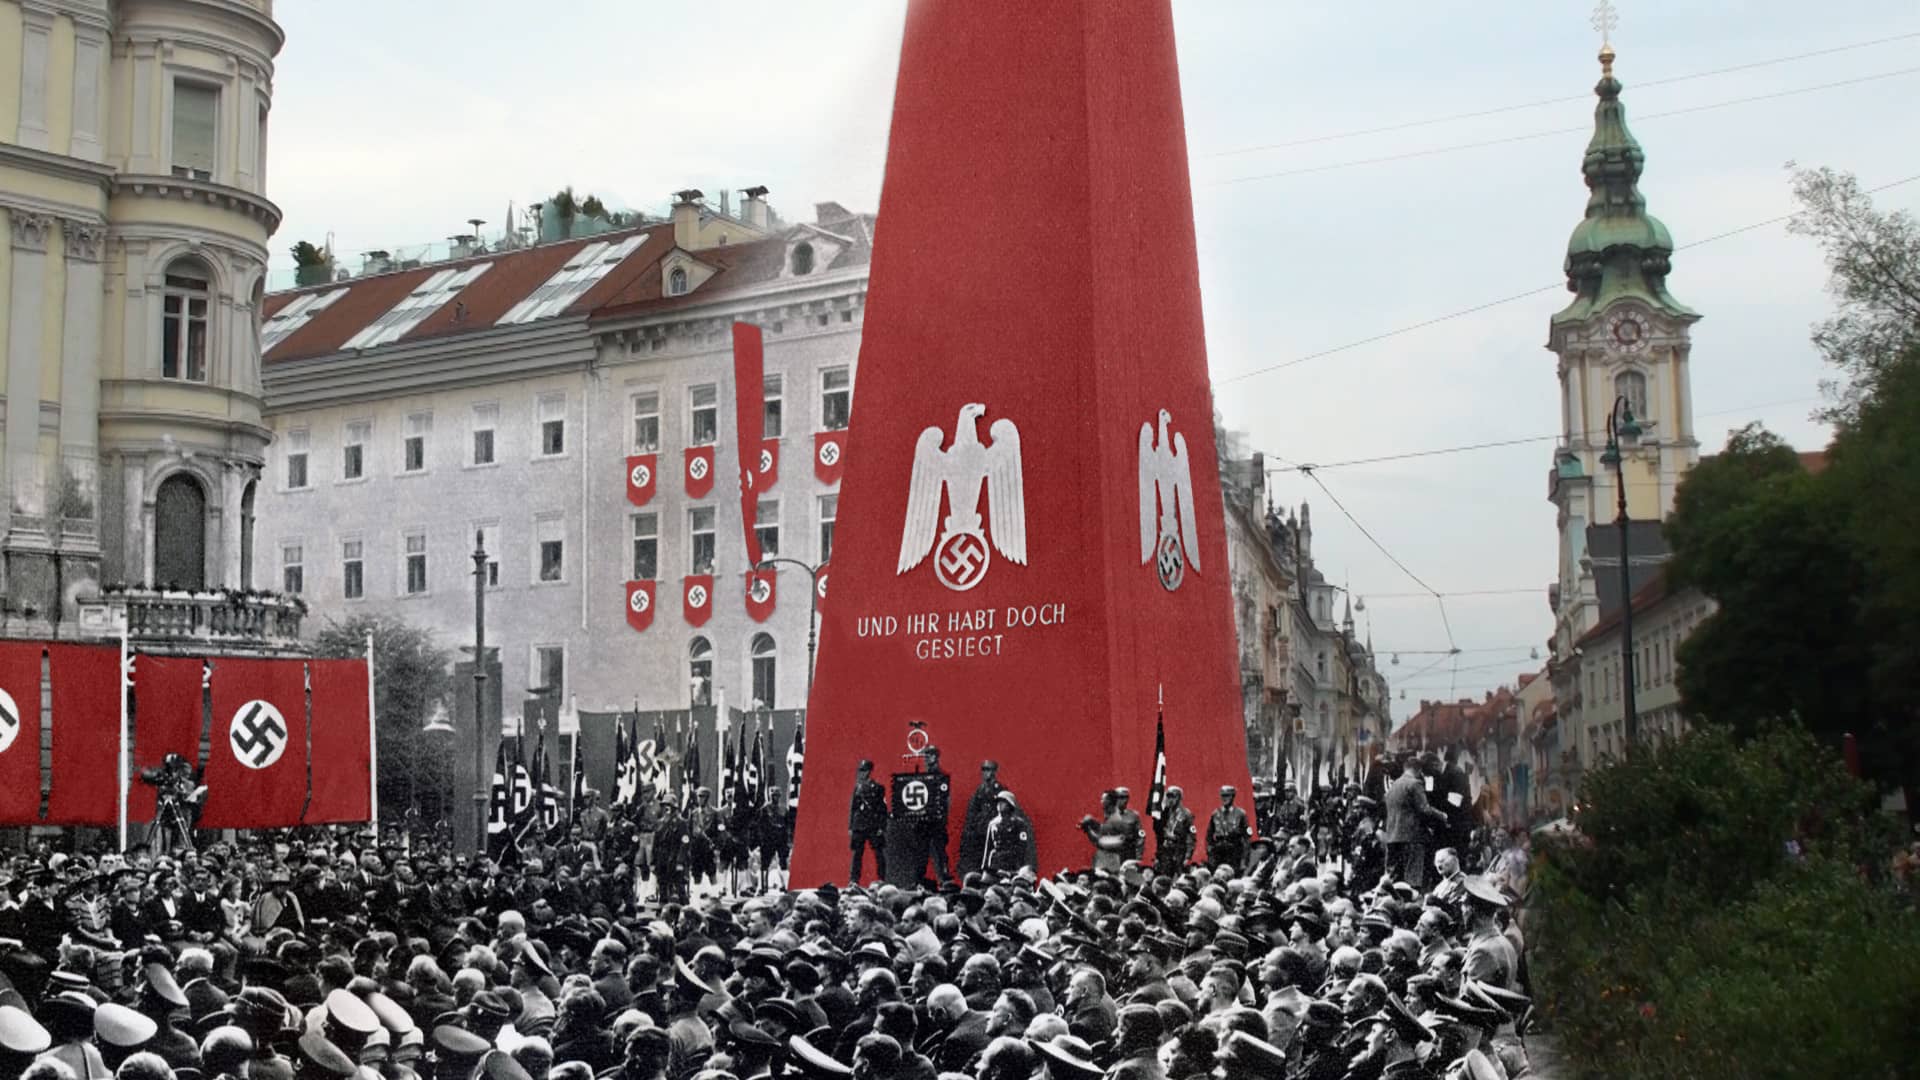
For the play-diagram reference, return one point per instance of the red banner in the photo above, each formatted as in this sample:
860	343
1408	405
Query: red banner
762	585
257	764
829	455
749	409
640	597
342	758
769	464
641	471
699	471
167	708
696	598
820	586
86	735
20	732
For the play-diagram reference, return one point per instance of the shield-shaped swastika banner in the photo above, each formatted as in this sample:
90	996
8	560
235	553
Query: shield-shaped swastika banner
257	767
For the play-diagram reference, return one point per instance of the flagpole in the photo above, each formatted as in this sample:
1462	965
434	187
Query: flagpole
126	683
373	751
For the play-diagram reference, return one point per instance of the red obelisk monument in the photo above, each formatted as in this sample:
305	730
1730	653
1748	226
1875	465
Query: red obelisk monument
1031	539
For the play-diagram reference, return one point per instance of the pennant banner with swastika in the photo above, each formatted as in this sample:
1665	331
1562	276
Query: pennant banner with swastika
19	732
257	760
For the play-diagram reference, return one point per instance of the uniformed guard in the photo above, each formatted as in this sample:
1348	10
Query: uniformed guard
867	822
671	853
1178	835
930	828
982	809
701	823
1009	839
1227	832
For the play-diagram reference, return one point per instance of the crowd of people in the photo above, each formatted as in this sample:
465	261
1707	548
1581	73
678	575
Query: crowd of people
1325	940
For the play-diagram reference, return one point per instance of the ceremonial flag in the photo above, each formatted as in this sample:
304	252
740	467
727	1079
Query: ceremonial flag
750	782
20	732
499	807
689	766
551	820
655	766
523	815
1157	794
87	689
626	766
578	798
167	719
749	410
257	751
729	767
342	748
796	757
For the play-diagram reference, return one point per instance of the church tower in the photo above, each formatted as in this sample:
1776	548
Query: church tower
1623	343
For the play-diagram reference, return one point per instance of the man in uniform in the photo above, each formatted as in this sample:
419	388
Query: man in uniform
671	852
1008	839
702	826
982	808
867	822
1177	835
930	831
1228	834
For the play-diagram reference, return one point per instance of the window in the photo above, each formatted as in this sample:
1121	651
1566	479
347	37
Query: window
549	672
1633	386
489	535
426	298
646	422
700	531
353	452
416	563
553	425
770	419
700	671
761	657
836	397
184	321
353	573
293	568
829	509
180	533
298	443
802	259
646	547
413	446
298	312
486	418
704	401
677	281
549	548
766	526
571	281
196	113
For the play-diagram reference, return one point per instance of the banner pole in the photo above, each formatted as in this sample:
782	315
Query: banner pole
373	751
125	766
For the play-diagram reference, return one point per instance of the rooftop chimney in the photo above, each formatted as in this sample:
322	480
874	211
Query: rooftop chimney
462	246
686	218
754	210
376	262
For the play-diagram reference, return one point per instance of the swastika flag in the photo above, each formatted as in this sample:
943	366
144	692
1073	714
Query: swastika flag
342	757
19	732
257	761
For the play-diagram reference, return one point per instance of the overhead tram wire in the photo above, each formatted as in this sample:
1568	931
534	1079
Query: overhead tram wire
1445	623
1477	308
1503	141
1496	111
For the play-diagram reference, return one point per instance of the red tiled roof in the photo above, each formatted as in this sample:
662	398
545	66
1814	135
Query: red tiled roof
1650	594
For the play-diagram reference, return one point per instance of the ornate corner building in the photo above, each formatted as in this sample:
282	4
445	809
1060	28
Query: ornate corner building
132	181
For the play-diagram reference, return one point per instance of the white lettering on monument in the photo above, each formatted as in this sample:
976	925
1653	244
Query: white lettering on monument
965	633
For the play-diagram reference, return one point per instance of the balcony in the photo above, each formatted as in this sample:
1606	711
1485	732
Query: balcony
213	620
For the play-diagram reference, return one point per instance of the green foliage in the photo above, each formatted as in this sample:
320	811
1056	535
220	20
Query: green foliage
412	677
1679	937
565	209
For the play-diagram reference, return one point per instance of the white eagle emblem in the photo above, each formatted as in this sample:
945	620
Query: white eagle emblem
1168	534
960	558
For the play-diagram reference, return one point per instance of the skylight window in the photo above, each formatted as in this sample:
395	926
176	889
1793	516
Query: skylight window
570	282
427	297
295	315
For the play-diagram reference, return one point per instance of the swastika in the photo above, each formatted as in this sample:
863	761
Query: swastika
639	601
766	460
961	561
9	720
829	453
820	586
641	476
761	590
697	468
914	795
697	596
258	733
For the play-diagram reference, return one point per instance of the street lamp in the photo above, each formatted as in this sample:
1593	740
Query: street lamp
1623	429
480	785
813	607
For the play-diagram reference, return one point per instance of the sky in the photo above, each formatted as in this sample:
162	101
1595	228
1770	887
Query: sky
393	124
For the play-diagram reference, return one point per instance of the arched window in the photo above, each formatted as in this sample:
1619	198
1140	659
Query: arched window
185	321
762	659
677	281
1633	386
246	535
802	259
180	534
700	671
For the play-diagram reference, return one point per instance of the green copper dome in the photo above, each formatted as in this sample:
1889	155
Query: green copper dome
1618	251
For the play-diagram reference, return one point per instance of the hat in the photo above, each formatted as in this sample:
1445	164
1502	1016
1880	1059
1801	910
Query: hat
1243	1052
685	979
1485	891
780	1009
1122	793
500	1065
325	1056
1324	1014
1410	1030
392	1016
20	1033
118	1026
1228	789
811	1061
163	985
351	1013
457	1042
1068	1056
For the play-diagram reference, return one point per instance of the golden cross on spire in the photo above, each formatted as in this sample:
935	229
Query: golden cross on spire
1606	19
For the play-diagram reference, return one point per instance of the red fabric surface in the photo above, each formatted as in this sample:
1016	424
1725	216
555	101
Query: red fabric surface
342	758
640	601
696	598
643	471
763	592
86	735
749	407
240	797
769	464
699	471
1063	697
20	732
829	455
167	708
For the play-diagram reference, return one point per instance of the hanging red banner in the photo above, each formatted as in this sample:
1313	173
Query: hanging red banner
699	471
20	732
761	588
749	410
769	464
641	469
257	756
640	604
696	598
342	758
820	586
87	684
167	708
829	455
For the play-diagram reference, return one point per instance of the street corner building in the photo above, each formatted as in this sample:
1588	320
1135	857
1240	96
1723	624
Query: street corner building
1033	544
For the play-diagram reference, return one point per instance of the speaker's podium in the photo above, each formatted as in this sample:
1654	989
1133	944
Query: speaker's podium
919	807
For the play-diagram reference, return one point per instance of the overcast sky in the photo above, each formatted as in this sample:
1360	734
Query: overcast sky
394	123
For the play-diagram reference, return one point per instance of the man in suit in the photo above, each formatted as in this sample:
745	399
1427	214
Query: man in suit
199	907
962	1031
1408	816
1453	794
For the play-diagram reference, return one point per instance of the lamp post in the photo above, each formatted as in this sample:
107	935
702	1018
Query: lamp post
480	785
1623	429
813	607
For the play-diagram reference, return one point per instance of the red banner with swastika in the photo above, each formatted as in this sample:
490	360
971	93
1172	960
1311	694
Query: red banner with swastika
20	732
167	707
86	734
257	757
342	757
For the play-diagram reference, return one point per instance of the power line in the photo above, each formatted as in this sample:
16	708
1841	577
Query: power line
1406	125
1475	309
1445	623
1453	594
1503	141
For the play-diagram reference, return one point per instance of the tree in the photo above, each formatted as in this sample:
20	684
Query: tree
313	265
412	678
1874	258
592	207
565	209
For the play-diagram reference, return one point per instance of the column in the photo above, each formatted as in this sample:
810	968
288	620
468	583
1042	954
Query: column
29	234
80	370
